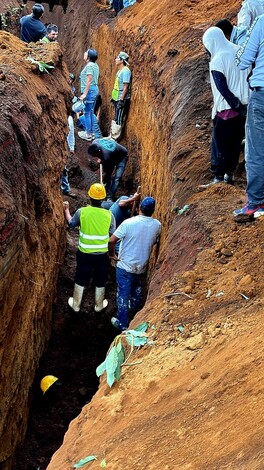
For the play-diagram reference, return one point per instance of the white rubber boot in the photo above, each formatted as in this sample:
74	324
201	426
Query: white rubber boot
100	301
115	130
75	301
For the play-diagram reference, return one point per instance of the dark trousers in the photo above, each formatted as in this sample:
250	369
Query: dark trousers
90	265
121	113
118	5
112	182
226	144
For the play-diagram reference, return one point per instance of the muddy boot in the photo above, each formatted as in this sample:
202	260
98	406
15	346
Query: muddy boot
75	301
100	301
115	130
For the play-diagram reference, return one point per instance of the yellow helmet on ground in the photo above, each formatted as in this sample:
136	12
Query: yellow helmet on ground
47	381
97	191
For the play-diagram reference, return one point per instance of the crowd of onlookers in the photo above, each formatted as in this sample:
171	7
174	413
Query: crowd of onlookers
237	82
118	5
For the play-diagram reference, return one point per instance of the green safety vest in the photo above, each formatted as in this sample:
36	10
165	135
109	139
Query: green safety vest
115	91
45	39
94	229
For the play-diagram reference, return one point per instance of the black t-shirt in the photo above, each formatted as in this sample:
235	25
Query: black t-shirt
32	29
111	153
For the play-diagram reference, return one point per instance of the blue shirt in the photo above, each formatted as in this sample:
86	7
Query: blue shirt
238	35
252	52
137	235
120	213
128	3
32	29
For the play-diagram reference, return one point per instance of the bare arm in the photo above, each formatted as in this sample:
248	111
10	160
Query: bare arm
66	209
127	202
111	246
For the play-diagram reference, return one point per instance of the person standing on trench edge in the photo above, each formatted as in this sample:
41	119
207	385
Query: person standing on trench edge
251	52
138	235
32	29
230	95
52	34
95	226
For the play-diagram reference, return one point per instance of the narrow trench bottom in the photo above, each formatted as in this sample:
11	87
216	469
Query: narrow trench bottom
78	343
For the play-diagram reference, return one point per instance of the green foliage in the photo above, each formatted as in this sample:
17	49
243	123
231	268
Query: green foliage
11	15
43	67
84	461
116	356
103	464
142	327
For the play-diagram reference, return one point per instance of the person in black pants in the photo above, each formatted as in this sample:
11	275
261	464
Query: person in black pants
113	158
230	94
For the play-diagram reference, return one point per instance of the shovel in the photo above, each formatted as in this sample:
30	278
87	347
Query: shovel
101	173
134	203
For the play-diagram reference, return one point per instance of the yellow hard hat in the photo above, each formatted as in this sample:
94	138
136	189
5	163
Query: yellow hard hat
97	191
47	381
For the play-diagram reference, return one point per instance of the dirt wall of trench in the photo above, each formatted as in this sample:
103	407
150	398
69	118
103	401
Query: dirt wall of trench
33	127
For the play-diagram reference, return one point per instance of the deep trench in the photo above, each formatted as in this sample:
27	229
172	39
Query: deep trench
78	342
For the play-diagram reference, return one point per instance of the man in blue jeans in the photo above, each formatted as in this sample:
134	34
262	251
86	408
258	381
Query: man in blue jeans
138	235
89	88
252	52
113	158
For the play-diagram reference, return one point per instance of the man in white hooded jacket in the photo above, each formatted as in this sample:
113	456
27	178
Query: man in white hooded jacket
230	94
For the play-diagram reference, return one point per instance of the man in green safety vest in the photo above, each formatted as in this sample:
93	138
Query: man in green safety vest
52	34
95	224
121	94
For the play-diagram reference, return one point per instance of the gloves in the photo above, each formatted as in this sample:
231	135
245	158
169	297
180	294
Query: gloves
65	171
120	104
242	109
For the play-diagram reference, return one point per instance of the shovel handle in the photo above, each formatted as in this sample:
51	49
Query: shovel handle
101	173
134	203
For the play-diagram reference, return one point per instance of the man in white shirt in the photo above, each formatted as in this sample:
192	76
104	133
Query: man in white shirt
138	235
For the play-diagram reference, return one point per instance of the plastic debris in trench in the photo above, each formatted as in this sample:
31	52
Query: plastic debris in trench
183	209
43	67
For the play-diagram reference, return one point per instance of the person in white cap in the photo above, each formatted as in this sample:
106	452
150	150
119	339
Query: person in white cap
121	94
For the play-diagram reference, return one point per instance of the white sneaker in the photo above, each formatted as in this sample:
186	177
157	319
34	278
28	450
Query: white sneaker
258	213
85	136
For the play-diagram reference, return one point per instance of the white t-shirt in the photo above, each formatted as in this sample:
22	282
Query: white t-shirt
137	235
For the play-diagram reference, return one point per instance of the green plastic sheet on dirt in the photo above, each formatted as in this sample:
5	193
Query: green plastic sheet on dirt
84	461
